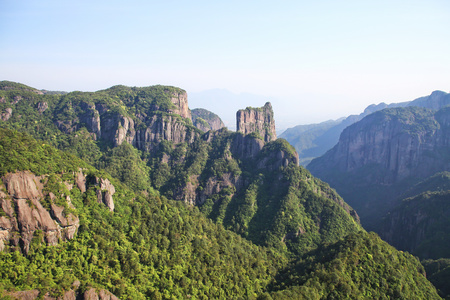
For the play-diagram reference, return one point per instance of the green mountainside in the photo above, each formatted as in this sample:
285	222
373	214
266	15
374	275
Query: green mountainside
249	222
392	167
420	225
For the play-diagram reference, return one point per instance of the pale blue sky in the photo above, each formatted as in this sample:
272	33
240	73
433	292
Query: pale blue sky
314	60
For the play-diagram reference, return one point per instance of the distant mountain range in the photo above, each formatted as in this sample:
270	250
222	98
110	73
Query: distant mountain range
314	140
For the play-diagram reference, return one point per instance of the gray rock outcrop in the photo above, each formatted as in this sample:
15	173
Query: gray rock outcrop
257	120
24	213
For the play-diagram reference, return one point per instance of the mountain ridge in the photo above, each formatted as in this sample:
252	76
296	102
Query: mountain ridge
258	213
321	137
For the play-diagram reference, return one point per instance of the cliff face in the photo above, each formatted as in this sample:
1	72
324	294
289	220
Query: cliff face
314	140
28	207
379	157
24	213
250	186
257	120
114	123
180	101
397	141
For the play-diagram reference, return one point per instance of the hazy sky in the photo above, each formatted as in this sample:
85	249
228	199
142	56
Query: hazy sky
316	59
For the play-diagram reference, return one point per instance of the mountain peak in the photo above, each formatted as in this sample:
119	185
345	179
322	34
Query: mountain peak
258	120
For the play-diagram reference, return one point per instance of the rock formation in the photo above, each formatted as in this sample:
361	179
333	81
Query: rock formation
397	140
6	115
169	120
180	101
28	208
73	294
379	157
105	192
25	214
257	120
420	225
314	140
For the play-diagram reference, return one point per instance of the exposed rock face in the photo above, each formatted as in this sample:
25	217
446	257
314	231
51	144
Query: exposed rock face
206	120
105	192
144	130
380	156
162	128
90	294
314	140
257	120
25	213
42	106
246	147
397	140
180	100
6	115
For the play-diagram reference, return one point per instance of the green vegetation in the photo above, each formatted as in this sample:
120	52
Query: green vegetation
20	152
438	272
425	217
263	228
357	267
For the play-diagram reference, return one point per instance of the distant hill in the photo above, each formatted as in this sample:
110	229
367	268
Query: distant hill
314	140
205	120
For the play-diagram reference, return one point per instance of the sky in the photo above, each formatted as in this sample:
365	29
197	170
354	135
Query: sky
314	60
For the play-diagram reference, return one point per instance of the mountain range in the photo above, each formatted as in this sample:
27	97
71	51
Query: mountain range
116	193
314	140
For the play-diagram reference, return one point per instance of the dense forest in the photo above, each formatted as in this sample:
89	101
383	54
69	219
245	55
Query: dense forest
196	215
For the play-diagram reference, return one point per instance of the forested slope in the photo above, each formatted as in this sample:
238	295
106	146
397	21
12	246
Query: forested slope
293	235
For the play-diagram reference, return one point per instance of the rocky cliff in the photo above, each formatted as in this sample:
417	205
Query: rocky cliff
206	120
30	205
72	294
314	140
257	120
379	157
245	183
24	213
142	117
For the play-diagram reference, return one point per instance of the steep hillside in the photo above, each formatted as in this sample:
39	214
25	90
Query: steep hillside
135	243
150	247
314	140
420	225
383	155
255	189
141	117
